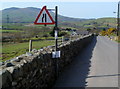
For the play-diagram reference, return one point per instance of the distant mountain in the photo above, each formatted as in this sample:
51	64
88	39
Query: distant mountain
20	14
28	15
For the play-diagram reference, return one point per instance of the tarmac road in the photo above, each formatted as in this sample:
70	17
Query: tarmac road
96	66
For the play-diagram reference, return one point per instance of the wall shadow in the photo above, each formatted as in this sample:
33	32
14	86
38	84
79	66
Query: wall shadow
75	74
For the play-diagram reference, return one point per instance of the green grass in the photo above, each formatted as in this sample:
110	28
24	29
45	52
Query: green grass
117	41
41	38
12	50
9	31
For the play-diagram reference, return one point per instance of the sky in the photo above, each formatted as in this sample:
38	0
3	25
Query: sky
76	9
59	0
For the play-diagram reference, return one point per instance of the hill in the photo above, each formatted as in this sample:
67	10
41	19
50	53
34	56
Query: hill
29	14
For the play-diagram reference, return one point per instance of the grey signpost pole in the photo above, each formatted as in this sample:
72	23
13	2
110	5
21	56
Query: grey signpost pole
56	42
56	28
118	19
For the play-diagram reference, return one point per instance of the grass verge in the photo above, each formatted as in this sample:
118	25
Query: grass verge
12	50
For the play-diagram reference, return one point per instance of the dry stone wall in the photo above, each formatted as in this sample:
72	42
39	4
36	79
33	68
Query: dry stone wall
36	70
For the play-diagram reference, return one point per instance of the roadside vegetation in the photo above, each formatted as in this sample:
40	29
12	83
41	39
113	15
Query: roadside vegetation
111	33
15	38
108	32
10	50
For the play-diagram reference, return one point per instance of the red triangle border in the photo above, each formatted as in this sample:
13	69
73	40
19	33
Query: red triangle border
44	8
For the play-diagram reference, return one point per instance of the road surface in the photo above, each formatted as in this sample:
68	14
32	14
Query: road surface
96	66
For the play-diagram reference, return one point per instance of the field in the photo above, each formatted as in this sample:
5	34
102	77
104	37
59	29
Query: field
9	31
29	31
11	50
15	33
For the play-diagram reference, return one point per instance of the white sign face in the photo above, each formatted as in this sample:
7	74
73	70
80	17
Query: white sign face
44	17
56	54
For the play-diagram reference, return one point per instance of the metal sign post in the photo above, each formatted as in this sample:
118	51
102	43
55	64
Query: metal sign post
56	28
118	19
56	41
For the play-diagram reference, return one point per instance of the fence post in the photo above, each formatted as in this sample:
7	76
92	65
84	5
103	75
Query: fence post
70	38
30	45
62	39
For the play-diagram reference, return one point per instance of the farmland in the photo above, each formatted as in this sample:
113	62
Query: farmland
16	38
17	33
9	31
12	50
24	32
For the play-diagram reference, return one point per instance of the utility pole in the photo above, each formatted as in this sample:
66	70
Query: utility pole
118	19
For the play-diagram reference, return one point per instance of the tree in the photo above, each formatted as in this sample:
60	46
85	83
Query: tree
89	30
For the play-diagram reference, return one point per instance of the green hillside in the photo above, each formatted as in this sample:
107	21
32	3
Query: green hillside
20	14
92	23
28	15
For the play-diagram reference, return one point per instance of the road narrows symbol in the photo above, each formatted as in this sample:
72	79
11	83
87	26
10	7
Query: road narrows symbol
44	17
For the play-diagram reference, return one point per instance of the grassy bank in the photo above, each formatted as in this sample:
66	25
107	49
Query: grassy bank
11	50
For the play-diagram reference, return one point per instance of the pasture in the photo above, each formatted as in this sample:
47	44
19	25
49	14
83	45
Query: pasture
12	50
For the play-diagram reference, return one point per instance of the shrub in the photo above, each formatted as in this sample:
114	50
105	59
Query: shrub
45	35
62	33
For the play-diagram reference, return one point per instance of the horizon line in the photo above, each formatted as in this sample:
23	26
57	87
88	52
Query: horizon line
60	14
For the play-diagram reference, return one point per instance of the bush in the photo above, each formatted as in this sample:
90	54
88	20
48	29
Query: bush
62	33
103	33
108	32
52	33
46	35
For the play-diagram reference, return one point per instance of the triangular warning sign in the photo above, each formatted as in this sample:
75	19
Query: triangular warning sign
44	17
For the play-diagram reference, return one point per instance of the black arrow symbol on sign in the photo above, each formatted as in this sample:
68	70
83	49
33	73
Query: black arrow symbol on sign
44	18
